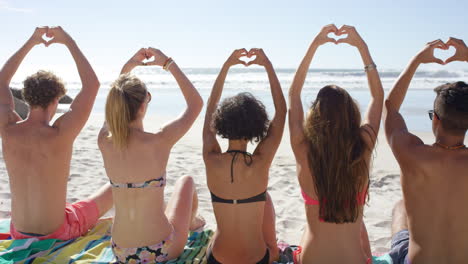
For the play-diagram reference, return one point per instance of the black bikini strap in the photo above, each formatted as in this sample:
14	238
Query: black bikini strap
245	154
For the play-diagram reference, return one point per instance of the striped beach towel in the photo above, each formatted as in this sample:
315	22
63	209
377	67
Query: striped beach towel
94	247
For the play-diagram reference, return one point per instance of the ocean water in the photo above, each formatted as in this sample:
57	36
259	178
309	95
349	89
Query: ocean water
168	100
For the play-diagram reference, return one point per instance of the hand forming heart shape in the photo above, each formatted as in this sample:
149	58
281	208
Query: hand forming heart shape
427	54
248	58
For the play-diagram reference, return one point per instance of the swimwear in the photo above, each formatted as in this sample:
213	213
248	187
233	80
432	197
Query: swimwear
210	259
159	182
361	199
150	254
399	247
79	218
257	198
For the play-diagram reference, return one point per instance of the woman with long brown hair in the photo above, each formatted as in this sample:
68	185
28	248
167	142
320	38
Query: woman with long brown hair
333	150
145	229
238	180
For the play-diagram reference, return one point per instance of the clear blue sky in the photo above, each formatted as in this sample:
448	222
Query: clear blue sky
203	33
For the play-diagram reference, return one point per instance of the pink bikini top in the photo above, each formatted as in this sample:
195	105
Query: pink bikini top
361	198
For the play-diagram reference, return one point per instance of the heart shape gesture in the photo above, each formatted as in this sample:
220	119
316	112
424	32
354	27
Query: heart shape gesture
50	35
247	58
461	51
348	35
426	55
145	57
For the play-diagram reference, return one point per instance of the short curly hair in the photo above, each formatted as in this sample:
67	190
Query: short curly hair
41	88
241	117
451	106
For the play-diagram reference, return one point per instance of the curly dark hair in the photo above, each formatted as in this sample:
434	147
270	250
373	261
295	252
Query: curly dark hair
41	88
241	117
451	106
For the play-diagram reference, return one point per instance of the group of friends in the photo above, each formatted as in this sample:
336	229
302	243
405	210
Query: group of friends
331	143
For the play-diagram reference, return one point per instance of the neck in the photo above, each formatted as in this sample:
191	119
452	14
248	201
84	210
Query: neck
238	145
450	141
39	115
137	124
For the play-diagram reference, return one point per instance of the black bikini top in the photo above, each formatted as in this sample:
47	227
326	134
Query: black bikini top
248	161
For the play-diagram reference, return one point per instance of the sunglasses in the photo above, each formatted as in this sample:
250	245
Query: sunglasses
432	113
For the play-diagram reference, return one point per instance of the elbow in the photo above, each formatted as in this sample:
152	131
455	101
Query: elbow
197	104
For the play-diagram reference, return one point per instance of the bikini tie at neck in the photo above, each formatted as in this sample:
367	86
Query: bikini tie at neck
247	159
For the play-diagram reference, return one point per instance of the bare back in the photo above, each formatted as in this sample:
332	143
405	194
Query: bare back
38	164
322	240
434	183
139	212
239	226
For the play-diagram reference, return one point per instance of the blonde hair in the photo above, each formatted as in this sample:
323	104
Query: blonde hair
125	97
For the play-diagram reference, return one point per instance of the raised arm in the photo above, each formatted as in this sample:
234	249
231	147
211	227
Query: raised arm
210	144
398	136
7	105
374	109
174	130
270	143
296	111
426	55
136	60
71	123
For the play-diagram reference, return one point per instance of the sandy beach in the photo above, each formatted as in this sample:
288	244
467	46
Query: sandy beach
87	175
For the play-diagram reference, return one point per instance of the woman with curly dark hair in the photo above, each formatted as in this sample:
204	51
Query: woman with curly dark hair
333	150
237	179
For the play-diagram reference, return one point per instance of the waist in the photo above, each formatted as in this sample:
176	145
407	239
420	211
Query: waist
140	232
41	219
251	248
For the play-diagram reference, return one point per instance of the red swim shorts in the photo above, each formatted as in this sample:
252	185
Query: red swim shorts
79	218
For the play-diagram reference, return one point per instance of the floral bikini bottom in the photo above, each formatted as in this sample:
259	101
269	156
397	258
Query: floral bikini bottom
150	254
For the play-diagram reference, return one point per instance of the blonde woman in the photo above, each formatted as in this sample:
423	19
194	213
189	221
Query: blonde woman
145	229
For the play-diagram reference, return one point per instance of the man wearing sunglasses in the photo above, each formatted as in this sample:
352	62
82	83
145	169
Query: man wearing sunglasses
430	223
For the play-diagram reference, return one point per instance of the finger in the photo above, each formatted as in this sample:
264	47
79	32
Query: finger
434	42
242	62
451	59
439	61
441	46
50	42
332	40
330	28
343	40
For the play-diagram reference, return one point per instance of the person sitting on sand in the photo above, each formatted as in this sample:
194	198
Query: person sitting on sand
37	155
145	229
238	180
333	150
429	224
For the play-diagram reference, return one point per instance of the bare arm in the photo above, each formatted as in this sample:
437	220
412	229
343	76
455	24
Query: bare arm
270	143
174	130
296	111
210	144
400	88
135	60
71	123
374	110
7	105
398	136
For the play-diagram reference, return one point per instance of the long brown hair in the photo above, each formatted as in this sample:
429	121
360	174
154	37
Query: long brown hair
336	154
125	97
